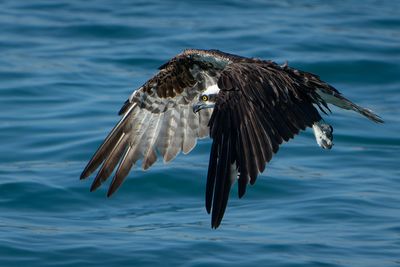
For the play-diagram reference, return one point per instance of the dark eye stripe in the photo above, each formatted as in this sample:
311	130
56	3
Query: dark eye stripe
212	97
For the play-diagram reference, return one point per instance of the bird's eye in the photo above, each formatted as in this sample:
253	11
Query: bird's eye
204	98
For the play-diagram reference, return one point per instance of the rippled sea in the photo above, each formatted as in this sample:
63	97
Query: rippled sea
66	67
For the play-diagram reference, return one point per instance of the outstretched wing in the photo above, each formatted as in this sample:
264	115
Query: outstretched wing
157	120
259	106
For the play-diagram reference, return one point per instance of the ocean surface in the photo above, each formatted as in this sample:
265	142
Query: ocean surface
66	67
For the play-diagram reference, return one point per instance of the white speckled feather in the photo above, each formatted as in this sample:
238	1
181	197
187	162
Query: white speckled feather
175	137
150	155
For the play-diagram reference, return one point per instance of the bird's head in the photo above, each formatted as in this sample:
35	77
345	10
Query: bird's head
206	99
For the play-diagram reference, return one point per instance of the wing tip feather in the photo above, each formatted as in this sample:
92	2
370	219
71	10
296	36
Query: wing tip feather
84	175
96	184
112	189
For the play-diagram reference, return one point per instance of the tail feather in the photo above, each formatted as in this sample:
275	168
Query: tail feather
337	99
367	113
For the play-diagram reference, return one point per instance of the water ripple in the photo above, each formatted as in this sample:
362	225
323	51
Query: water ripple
67	67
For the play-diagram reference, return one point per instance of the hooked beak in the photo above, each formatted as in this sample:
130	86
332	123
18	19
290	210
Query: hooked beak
201	105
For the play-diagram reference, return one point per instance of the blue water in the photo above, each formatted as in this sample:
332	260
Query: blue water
66	67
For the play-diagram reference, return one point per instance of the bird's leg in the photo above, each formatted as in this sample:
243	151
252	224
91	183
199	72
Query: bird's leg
323	134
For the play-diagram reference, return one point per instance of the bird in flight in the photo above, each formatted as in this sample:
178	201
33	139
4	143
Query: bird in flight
248	107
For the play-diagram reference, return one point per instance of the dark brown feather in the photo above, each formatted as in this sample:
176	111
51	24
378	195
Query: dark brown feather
111	161
108	145
122	171
257	108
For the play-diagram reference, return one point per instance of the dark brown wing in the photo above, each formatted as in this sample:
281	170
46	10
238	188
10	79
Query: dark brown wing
259	106
157	120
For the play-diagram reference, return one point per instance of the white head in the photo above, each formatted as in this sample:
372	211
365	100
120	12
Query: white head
207	98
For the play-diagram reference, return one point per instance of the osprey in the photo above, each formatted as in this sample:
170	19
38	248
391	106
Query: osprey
247	106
